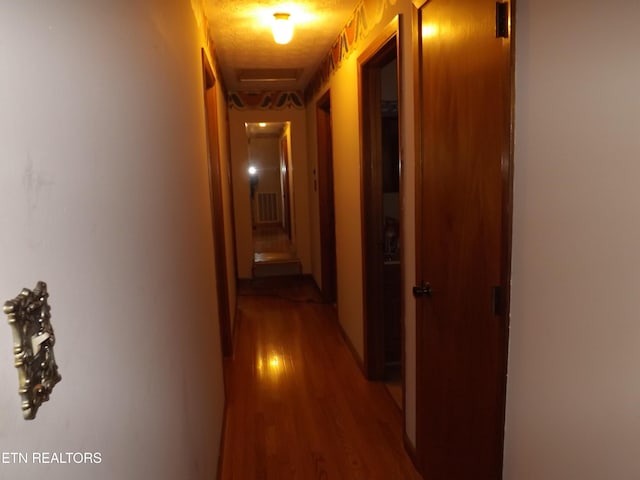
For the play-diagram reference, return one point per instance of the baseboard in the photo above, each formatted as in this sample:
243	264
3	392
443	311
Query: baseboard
248	284
411	451
353	350
278	268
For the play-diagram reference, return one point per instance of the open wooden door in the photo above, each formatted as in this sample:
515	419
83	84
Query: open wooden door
463	236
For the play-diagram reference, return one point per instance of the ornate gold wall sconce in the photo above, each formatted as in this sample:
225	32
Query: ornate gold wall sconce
30	320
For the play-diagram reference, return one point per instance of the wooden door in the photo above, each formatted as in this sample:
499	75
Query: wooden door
463	235
326	199
217	207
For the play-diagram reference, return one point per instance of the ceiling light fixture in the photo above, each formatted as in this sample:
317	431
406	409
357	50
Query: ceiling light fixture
282	28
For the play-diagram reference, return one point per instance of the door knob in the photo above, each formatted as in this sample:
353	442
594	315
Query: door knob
422	290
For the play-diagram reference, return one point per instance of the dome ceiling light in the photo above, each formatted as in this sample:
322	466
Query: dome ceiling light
282	28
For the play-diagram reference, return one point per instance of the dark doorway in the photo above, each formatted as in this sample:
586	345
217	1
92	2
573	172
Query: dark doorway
463	225
378	68
326	199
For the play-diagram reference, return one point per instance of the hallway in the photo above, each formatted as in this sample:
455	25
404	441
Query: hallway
274	254
297	404
271	243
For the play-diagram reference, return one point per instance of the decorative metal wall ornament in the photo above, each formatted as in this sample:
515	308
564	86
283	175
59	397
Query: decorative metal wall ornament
29	317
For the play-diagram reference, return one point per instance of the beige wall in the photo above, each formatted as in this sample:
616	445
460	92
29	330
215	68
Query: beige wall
574	389
105	197
299	174
344	113
346	177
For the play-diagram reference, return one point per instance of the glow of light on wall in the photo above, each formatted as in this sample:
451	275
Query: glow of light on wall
430	30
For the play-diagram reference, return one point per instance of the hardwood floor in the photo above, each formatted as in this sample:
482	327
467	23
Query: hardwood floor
298	406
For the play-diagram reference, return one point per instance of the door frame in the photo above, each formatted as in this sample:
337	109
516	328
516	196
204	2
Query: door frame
217	205
284	184
326	200
380	52
232	208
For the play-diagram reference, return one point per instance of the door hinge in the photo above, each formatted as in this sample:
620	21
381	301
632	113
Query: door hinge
502	20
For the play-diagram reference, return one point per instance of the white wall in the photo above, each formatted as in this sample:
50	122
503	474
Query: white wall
105	197
573	403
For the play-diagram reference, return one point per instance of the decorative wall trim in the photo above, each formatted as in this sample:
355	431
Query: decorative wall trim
367	14
274	100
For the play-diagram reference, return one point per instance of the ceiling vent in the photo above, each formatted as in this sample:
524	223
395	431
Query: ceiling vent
269	75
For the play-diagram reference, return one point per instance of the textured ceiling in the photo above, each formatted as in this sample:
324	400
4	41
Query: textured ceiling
241	32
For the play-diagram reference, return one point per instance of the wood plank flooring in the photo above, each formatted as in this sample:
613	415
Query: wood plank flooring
298	406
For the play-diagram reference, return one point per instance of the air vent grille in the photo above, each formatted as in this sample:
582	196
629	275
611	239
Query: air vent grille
269	75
